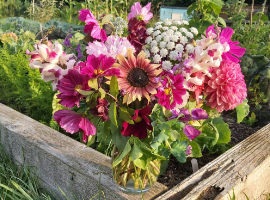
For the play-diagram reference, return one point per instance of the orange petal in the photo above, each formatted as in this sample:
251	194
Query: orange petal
131	58
123	62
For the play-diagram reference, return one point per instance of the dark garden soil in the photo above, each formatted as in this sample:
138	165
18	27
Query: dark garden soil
177	172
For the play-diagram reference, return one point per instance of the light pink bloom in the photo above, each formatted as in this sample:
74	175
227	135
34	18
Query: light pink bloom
141	13
226	88
92	25
114	46
73	122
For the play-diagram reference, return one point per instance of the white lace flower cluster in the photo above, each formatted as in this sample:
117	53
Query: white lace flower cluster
119	24
168	40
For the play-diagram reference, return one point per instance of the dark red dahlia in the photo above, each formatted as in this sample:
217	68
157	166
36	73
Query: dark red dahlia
137	33
101	109
140	126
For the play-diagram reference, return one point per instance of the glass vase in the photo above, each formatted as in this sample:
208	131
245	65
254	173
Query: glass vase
132	179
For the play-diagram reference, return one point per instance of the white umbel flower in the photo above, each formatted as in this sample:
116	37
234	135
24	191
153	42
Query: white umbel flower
154	43
148	39
170	45
190	48
177	22
189	34
179	34
185	22
194	30
168	23
149	31
179	48
174	38
156	33
166	65
158	38
158	23
174	28
173	55
155	49
158	27
147	53
184	30
166	38
183	40
157	58
165	28
163	52
163	34
170	32
162	44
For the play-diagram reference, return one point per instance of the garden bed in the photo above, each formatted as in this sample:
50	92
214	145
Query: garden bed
64	163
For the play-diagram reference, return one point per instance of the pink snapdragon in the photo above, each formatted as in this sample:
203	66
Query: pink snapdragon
74	122
113	46
92	25
141	13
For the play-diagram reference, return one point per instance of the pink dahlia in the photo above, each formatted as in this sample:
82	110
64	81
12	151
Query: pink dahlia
171	91
92	25
68	86
225	39
99	66
73	122
141	13
226	88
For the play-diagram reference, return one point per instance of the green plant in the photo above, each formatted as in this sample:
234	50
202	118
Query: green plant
204	13
22	88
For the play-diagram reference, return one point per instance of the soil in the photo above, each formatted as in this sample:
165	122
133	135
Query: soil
177	172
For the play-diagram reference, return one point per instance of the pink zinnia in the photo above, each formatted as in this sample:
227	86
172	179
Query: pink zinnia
171	91
92	25
141	13
226	88
68	86
73	122
225	37
99	66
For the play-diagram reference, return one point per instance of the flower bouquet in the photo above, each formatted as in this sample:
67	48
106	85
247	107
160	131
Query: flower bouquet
155	93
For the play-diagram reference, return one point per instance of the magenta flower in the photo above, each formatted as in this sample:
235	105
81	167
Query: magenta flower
188	151
191	132
198	114
68	86
171	91
101	109
225	37
99	66
141	13
73	122
92	25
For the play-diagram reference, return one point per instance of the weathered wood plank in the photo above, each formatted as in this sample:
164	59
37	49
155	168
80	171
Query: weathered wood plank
60	161
245	167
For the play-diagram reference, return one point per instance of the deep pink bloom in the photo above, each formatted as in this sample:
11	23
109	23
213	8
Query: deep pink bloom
188	151
101	109
92	25
99	66
73	122
171	91
67	87
198	114
226	88
141	13
182	111
140	126
225	37
191	132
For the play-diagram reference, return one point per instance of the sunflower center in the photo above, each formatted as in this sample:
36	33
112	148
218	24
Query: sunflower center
137	77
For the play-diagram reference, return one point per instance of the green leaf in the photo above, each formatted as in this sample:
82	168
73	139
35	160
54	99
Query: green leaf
136	152
191	105
123	155
222	21
218	3
124	114
179	151
118	139
162	137
113	114
174	135
216	8
106	19
93	83
114	86
192	7
91	140
85	93
142	162
242	111
223	131
102	92
196	150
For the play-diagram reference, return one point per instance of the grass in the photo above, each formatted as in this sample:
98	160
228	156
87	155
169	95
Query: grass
17	182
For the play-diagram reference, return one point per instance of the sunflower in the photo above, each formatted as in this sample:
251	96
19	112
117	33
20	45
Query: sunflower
137	76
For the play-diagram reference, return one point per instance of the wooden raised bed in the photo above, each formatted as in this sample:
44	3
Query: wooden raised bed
65	163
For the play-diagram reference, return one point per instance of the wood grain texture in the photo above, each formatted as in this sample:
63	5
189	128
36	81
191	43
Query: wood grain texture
59	160
245	167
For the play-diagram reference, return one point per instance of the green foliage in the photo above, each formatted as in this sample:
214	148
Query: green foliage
22	87
204	13
242	111
250	120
